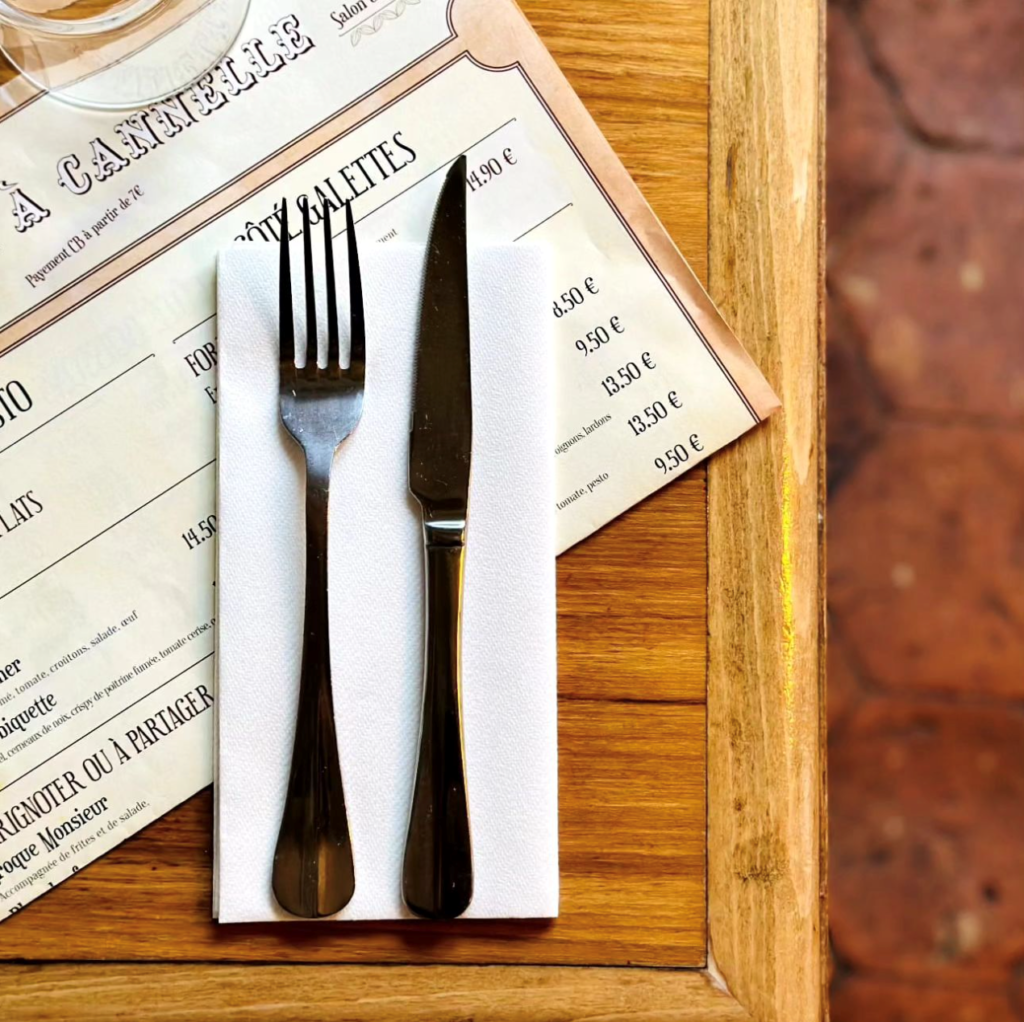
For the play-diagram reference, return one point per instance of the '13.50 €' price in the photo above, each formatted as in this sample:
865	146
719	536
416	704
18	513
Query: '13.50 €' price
654	414
628	374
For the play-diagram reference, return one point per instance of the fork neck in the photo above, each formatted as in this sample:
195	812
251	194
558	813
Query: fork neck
318	477
316	645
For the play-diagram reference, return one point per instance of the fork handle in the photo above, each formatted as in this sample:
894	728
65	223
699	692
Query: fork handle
313	873
437	880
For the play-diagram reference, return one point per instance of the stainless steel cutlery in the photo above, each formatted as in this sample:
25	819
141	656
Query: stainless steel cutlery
437	879
313	871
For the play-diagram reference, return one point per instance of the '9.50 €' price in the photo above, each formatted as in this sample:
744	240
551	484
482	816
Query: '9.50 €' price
599	336
677	456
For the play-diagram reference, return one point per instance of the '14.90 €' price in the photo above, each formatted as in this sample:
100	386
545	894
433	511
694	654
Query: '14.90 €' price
490	169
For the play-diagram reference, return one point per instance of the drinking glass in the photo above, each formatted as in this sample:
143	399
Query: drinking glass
117	55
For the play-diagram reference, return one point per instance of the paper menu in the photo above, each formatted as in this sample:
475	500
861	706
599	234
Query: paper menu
108	352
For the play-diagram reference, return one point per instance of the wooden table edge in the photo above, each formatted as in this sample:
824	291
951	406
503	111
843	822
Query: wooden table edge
370	993
767	949
767	793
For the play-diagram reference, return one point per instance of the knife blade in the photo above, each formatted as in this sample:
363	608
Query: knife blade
437	875
442	419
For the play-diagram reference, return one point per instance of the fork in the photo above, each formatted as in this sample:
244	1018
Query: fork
313	872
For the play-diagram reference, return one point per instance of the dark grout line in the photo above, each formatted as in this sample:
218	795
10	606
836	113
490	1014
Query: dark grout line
564	697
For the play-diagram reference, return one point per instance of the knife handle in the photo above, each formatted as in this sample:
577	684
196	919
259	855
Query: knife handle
437	880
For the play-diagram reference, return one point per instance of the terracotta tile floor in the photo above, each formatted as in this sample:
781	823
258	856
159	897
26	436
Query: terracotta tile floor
926	529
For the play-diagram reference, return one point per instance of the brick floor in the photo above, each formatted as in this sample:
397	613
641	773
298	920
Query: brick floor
855	406
926	521
930	276
845	687
872	1000
926	560
866	145
925	813
957	67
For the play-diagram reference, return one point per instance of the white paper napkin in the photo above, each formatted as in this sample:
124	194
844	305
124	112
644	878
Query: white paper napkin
376	579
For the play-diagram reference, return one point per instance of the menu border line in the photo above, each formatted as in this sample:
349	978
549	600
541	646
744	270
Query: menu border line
125	709
227	209
337	234
102	386
196	326
141	507
465	54
550	216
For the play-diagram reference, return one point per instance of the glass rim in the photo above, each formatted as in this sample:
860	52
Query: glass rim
97	24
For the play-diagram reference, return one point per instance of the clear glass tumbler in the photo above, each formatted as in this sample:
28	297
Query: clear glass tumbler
117	55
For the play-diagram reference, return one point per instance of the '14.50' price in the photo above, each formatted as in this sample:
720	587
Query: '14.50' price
201	532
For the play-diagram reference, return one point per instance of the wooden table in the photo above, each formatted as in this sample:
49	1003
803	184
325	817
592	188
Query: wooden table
691	632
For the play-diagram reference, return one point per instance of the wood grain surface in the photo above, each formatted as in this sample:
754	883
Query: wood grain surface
632	869
306	993
766	594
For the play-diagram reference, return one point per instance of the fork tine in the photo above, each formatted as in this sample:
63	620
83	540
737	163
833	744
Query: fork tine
333	343
312	346
286	324
357	359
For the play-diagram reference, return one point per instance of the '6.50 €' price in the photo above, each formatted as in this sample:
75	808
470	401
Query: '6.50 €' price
574	297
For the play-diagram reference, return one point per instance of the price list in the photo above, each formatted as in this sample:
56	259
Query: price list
613	363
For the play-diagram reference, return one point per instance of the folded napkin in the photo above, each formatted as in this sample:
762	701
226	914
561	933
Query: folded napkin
376	586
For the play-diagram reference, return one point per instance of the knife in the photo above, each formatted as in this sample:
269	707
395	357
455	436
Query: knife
437	878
